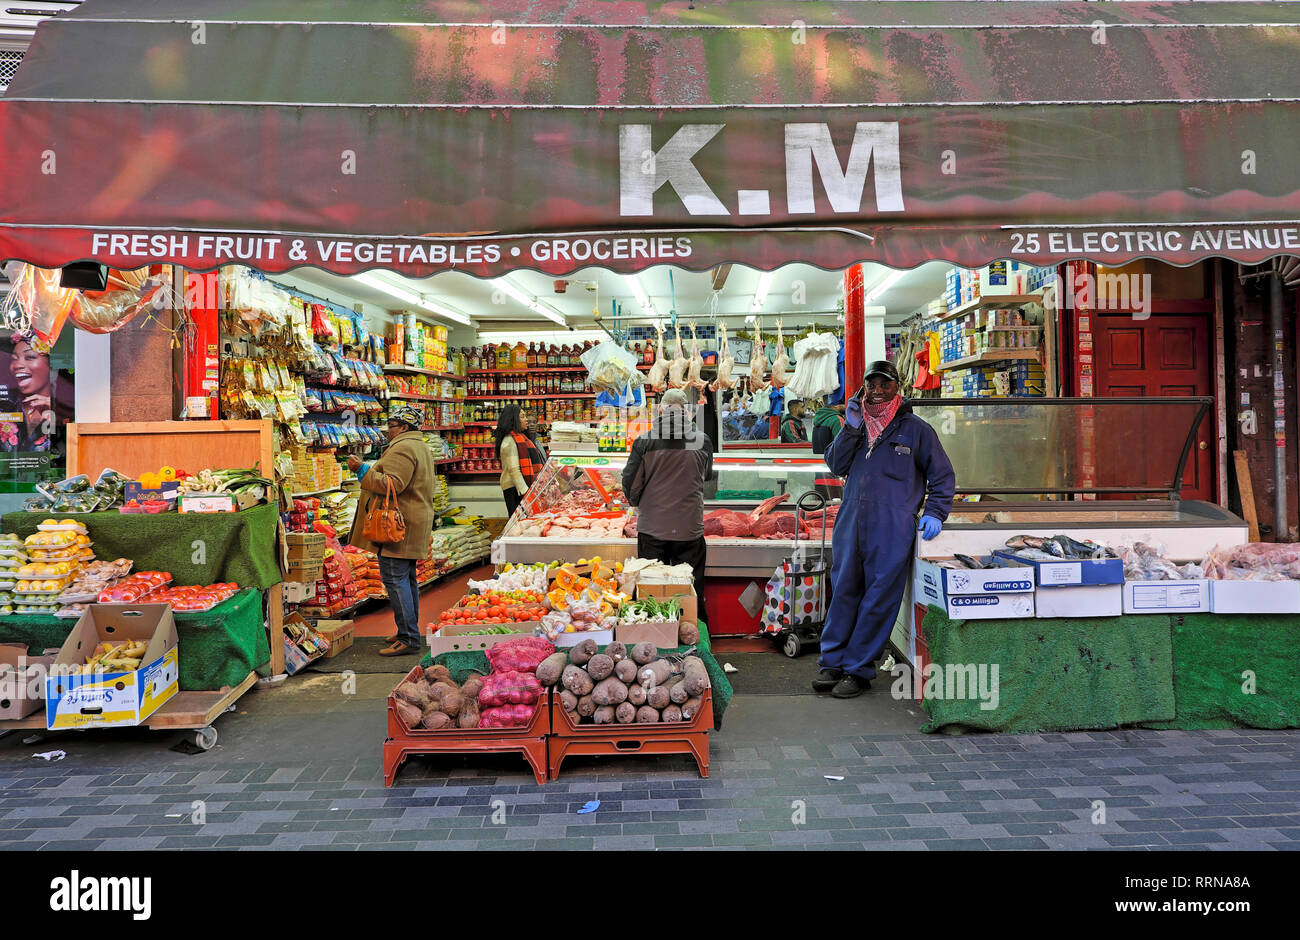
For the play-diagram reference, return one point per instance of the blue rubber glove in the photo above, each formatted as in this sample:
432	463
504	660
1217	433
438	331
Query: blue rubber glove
929	527
365	468
853	413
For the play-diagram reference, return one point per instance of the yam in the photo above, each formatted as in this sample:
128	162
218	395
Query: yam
604	715
616	651
435	721
568	701
636	694
691	708
625	669
441	688
600	666
646	715
583	652
657	697
644	653
697	677
452	703
574	717
677	690
586	706
551	668
576	680
671	713
436	672
688	634
609	692
655	673
625	714
469	715
409	713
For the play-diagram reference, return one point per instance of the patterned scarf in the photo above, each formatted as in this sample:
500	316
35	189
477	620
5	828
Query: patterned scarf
877	417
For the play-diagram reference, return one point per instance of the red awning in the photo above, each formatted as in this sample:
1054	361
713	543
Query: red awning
448	134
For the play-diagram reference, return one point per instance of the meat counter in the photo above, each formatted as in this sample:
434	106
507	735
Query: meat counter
742	480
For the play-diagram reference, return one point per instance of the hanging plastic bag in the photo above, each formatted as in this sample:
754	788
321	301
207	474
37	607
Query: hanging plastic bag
816	375
611	368
760	403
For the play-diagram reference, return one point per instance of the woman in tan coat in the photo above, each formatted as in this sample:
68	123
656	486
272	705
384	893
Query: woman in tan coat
408	465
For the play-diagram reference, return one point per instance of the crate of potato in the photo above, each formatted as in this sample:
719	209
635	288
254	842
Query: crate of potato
428	713
622	700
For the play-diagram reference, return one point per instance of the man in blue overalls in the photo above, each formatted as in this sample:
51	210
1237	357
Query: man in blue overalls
894	467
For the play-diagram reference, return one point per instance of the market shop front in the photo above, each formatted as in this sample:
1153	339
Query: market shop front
635	142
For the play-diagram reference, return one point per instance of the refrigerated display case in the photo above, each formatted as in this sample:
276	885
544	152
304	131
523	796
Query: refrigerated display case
741	480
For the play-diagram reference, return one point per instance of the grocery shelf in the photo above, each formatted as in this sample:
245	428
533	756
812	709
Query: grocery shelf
413	369
990	303
406	397
529	369
990	356
447	427
510	397
332	489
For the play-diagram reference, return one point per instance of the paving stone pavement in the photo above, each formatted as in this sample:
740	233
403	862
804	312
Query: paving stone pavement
1205	790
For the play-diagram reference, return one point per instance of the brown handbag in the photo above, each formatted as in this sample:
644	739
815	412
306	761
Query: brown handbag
384	523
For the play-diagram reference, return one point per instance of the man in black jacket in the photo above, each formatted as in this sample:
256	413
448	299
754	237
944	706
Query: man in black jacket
664	478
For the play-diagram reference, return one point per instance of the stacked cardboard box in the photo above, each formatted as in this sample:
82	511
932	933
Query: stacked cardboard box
305	554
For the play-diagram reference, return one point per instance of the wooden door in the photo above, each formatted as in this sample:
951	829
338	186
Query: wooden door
1161	356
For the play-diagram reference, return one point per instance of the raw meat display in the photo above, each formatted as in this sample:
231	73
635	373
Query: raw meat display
757	360
696	366
726	523
782	363
677	366
1254	561
657	377
725	363
767	506
777	525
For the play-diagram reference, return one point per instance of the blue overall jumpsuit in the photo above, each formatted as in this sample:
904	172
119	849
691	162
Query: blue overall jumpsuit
875	531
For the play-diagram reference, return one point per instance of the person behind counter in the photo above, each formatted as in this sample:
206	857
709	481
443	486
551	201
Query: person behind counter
406	463
895	467
664	478
520	455
792	429
826	424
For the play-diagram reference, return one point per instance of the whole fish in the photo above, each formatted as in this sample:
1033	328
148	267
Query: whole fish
1017	542
968	561
1034	554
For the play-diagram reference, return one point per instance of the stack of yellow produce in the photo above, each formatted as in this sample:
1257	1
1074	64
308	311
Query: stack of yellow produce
55	554
116	657
13	557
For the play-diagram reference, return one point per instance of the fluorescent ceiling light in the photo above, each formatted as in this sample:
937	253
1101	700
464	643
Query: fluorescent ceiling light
641	298
531	303
760	294
889	281
412	298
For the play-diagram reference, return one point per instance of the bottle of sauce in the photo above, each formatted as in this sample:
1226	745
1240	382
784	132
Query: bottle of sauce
520	359
552	356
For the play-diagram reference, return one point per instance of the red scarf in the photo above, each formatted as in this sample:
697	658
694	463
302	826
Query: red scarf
877	417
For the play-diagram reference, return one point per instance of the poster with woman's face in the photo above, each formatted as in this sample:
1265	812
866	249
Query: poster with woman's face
36	401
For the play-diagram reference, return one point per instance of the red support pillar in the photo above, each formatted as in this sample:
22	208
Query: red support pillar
855	343
203	346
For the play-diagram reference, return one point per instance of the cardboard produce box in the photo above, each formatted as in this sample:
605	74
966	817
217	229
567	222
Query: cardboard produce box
338	632
1255	597
683	593
1097	600
1162	597
452	638
968	594
304	572
305	546
1068	572
302	644
22	680
113	699
662	635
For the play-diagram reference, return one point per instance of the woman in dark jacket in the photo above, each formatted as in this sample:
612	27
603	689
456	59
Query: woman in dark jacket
520	455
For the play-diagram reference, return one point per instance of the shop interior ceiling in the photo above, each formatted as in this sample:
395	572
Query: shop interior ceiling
791	291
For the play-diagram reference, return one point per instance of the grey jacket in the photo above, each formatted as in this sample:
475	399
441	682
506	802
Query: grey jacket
664	478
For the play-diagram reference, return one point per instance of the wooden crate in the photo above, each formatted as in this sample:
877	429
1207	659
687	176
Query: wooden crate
136	447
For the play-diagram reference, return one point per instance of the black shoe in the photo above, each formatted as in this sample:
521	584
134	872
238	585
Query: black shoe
850	687
826	679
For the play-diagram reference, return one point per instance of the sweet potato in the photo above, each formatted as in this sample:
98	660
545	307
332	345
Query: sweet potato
671	713
440	688
646	715
409	713
469	715
616	651
625	714
691	708
586	706
644	653
583	652
697	677
435	672
452	703
655	673
574	717
600	666
604	715
551	668
677	690
625	669
435	721
568	701
688	634
636	694
609	692
576	680
472	687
